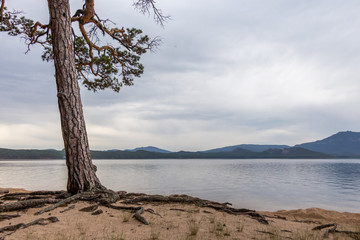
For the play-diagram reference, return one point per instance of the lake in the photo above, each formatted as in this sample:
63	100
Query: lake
261	184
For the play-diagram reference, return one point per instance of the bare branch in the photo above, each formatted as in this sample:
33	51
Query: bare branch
147	6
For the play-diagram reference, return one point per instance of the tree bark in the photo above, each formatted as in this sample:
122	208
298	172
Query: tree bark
81	171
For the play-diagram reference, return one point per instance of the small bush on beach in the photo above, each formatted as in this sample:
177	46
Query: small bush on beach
154	235
126	216
218	228
240	227
193	227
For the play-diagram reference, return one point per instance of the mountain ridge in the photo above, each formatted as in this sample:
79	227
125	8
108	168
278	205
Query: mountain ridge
342	144
345	143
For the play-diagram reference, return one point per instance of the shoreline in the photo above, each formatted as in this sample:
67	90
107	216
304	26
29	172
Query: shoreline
175	221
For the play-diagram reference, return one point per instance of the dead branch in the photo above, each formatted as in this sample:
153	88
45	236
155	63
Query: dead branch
145	6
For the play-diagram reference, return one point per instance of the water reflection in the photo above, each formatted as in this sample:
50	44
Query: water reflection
262	184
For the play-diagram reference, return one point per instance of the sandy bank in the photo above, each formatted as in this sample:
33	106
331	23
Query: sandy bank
175	221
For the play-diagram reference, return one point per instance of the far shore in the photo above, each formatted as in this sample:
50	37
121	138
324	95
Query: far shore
175	221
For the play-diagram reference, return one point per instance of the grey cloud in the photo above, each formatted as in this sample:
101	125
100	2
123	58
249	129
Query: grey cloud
228	72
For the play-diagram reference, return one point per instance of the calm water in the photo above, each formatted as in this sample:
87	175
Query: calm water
261	184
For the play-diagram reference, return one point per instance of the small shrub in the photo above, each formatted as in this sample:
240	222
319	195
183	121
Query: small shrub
240	227
193	227
126	216
154	235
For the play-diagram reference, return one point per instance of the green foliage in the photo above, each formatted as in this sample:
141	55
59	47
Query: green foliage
99	67
15	24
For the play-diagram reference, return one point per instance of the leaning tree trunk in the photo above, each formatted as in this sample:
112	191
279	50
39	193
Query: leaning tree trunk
81	171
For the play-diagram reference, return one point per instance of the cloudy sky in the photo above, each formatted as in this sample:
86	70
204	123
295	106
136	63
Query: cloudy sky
228	72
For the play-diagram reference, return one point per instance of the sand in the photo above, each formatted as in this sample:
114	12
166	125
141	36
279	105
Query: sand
178	221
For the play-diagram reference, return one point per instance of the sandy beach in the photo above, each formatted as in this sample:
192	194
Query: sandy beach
174	221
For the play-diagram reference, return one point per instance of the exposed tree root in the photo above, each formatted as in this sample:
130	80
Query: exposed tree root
354	235
13	228
68	209
97	212
183	210
8	217
223	207
138	211
90	208
140	218
324	226
25	204
59	203
107	197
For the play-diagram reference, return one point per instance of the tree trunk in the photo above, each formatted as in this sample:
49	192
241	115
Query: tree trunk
81	171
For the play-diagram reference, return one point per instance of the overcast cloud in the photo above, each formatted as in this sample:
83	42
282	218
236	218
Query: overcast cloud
228	72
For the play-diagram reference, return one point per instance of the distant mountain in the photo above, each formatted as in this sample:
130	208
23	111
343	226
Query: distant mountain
237	153
251	147
292	152
149	149
341	144
31	154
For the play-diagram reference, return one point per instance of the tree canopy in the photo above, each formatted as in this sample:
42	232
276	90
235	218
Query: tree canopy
99	66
